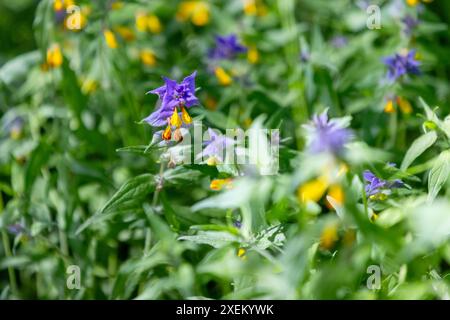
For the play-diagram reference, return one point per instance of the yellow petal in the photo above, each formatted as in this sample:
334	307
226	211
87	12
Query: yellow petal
404	105
250	7
241	252
153	23
54	56
312	190
141	21
148	57
185	116
329	236
337	193
219	184
200	15
110	39
412	2
58	5
126	33
389	107
175	119
223	77
167	134
253	55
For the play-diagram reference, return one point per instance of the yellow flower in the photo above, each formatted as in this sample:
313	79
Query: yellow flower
125	32
54	56
253	55
110	39
117	5
223	77
404	105
219	184
141	21
336	192
413	3
389	107
241	253
329	236
196	11
153	23
89	86
250	7
312	190
148	57
58	5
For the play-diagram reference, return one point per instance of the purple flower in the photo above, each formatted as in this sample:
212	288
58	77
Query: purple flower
375	185
339	42
173	95
16	229
227	47
409	24
400	64
215	147
327	135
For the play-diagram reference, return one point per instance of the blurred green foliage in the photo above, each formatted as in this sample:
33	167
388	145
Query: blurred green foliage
81	184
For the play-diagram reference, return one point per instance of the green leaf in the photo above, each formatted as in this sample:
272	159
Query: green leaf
418	147
438	174
129	198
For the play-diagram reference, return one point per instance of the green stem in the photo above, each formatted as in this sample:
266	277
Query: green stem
8	253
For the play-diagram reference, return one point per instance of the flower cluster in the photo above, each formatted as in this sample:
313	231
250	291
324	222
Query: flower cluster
175	99
401	64
326	135
377	188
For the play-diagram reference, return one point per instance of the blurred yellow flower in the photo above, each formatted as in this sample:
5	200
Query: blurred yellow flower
312	190
153	23
125	32
241	253
89	86
223	77
110	39
54	56
219	184
253	55
329	236
148	57
75	21
389	106
416	2
404	105
254	7
62	4
336	192
116	5
196	11
141	21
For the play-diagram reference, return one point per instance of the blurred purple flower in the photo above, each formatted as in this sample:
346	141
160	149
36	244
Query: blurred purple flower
16	229
216	145
409	23
339	42
227	47
400	64
326	135
172	96
375	185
